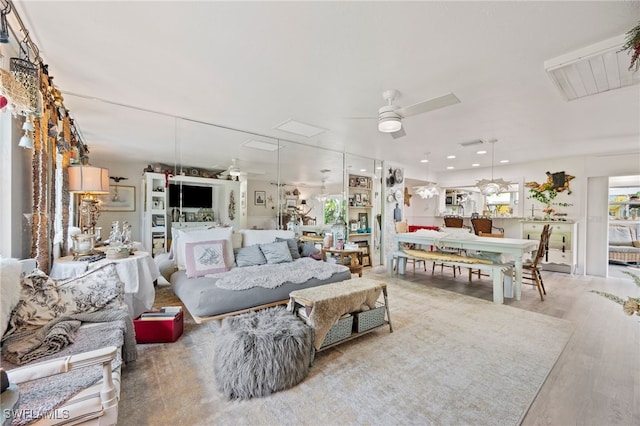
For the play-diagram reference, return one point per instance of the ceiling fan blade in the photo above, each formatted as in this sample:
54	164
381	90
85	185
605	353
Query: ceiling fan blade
360	118
429	105
400	133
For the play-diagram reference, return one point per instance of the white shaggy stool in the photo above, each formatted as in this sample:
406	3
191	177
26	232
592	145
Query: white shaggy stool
262	352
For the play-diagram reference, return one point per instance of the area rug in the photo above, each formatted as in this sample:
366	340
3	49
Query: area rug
451	360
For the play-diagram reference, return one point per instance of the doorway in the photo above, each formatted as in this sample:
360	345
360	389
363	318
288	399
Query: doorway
624	224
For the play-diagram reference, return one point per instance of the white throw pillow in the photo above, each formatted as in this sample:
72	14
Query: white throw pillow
10	287
204	235
263	236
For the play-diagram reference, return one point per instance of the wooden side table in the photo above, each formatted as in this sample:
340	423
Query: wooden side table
354	267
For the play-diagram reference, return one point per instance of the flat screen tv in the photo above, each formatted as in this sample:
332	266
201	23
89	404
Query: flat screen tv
192	196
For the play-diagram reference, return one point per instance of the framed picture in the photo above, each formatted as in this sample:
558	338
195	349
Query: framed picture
120	199
365	260
190	217
353	181
353	226
365	199
363	220
358	199
291	203
260	198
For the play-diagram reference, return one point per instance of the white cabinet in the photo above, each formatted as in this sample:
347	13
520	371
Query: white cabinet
561	255
154	221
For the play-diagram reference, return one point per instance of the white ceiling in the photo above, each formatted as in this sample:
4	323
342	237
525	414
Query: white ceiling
254	65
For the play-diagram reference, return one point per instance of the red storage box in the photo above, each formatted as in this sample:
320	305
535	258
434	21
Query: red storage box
159	330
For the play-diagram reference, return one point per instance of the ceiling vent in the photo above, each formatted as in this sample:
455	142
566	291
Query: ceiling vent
592	69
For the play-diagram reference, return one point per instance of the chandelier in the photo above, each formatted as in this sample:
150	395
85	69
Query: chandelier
429	189
322	197
493	186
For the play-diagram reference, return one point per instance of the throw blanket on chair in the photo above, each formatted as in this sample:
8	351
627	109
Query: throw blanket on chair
272	276
28	346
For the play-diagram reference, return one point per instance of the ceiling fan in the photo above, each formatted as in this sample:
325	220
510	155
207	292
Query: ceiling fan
390	116
233	170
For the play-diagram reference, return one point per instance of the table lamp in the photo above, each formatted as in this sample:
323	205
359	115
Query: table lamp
87	181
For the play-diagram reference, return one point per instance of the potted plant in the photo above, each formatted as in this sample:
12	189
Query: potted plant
545	194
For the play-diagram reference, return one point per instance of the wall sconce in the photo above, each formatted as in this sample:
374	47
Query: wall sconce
25	140
89	182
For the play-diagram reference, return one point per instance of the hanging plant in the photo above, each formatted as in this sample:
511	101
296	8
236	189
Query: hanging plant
632	46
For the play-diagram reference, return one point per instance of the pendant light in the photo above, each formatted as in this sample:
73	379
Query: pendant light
493	186
429	189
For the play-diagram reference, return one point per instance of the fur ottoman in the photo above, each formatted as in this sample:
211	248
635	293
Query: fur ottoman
261	352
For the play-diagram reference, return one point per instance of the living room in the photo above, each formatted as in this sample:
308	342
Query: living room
132	125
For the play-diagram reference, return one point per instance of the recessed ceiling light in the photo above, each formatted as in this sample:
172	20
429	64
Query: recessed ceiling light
451	157
504	161
424	161
379	168
450	167
481	152
298	128
475	165
363	170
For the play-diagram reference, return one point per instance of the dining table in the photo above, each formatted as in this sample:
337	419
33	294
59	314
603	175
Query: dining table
517	247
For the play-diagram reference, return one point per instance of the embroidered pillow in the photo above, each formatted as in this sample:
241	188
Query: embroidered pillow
205	257
293	246
250	256
205	235
276	252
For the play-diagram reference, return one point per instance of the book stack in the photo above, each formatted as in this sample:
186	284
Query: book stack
159	326
163	314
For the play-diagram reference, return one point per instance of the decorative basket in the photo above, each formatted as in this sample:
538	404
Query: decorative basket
366	320
340	330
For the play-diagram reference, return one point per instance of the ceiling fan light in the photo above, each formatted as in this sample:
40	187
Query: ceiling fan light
234	172
389	125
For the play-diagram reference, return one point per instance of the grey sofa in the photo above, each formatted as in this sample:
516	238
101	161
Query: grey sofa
206	301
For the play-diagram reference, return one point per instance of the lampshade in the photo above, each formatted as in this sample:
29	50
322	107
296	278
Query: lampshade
88	179
493	186
389	124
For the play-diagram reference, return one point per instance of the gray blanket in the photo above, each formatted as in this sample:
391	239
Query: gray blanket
31	345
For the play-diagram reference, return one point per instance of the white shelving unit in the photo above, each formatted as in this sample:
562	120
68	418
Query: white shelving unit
154	221
360	204
229	205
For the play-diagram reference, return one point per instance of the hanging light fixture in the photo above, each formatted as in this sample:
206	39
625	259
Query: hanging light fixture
429	189
25	140
493	186
323	197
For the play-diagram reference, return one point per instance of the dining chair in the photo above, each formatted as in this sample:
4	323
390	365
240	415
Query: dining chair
480	274
401	228
531	270
450	221
453	221
483	226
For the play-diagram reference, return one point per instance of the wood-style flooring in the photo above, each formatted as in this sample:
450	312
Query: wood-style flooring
596	380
